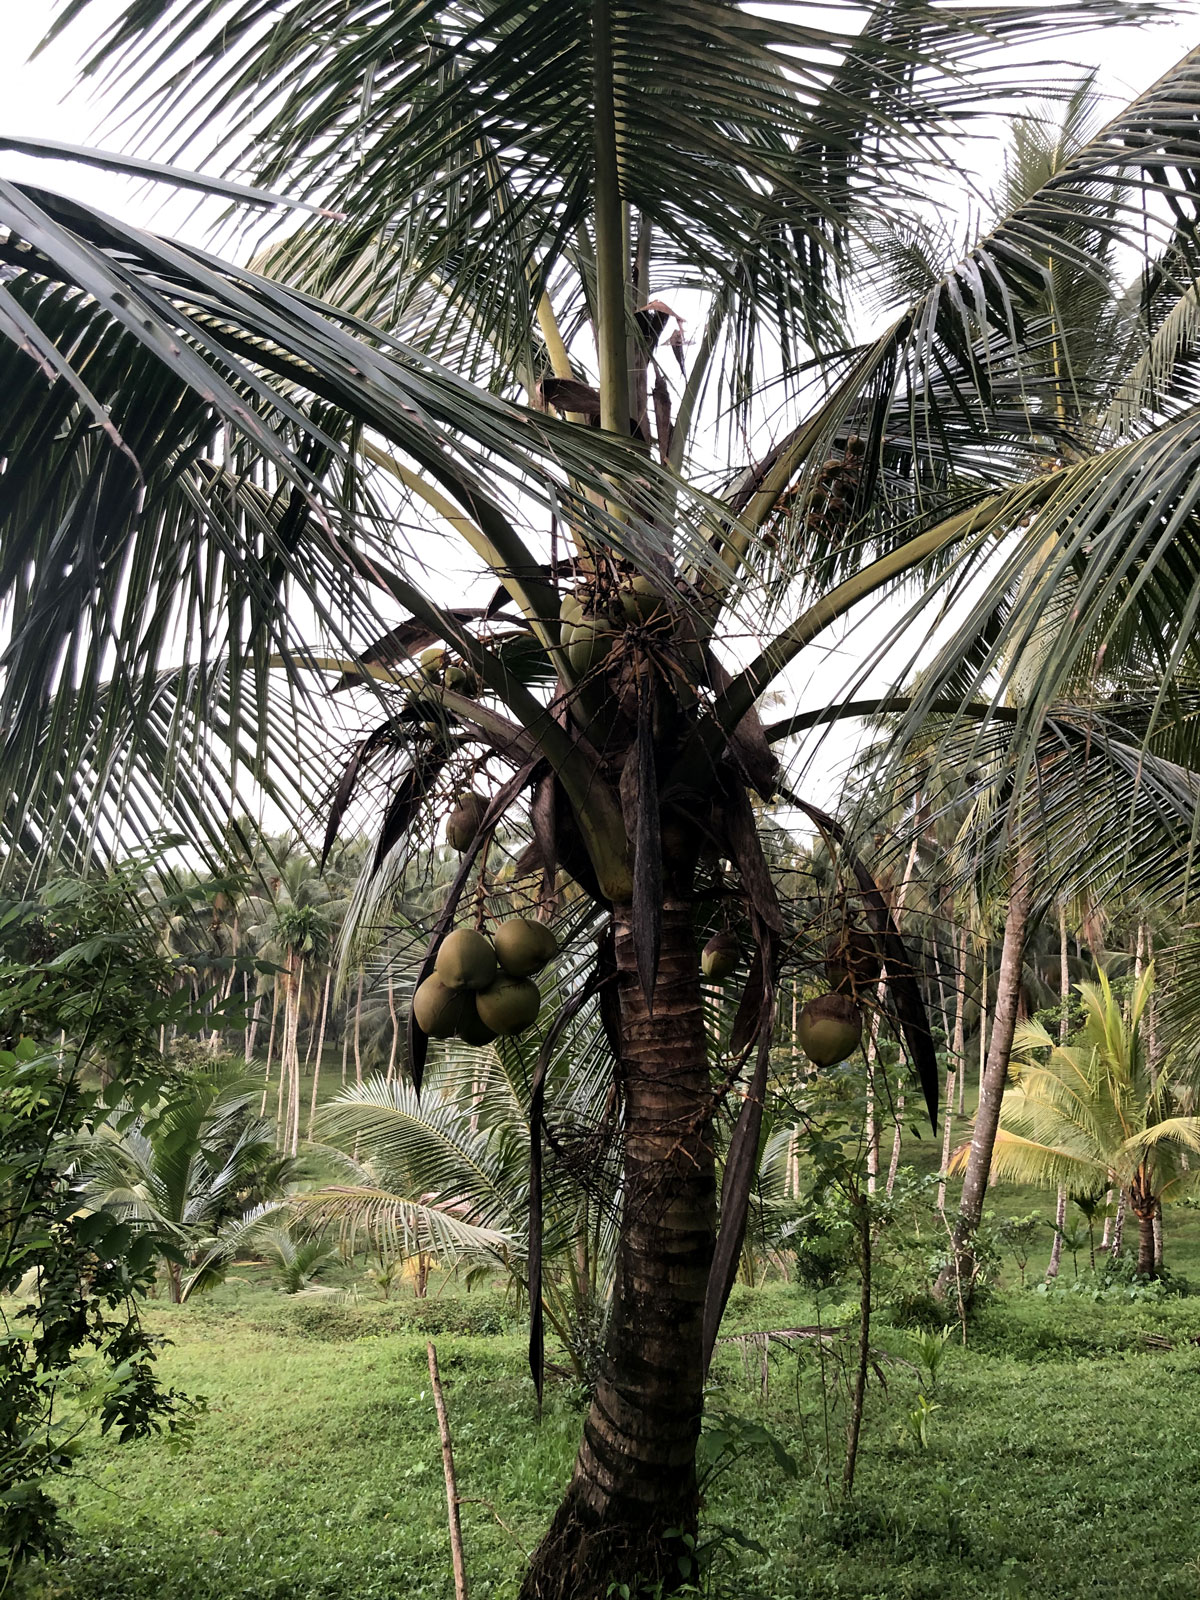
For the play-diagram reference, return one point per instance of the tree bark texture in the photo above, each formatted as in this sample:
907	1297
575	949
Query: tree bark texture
959	1272
635	1475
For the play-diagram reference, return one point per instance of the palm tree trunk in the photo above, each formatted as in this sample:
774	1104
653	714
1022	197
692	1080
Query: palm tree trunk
872	1116
960	1270
391	1068
358	1032
1146	1245
262	1110
1118	1232
312	1109
983	1017
894	1162
252	1017
958	1072
294	1082
345	1040
1064	1023
633	1492
1156	1231
1060	1223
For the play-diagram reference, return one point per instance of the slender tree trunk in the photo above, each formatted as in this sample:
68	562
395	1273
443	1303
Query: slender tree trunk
946	1135
391	1067
312	1109
858	1392
251	1016
1106	1235
1146	1244
345	1040
894	1162
1060	1223
1156	1233
634	1485
958	1056
1118	1232
983	1017
960	1270
874	1133
1064	1024
294	1094
358	1032
262	1110
872	1130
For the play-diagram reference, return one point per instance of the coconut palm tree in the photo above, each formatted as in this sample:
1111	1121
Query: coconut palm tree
188	1172
295	926
1097	1115
224	478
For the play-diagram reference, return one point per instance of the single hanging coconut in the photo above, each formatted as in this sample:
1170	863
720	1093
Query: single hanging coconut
720	956
829	1029
438	1009
471	1028
509	1004
465	960
464	821
523	946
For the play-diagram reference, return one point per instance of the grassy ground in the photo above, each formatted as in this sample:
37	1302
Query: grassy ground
1064	1459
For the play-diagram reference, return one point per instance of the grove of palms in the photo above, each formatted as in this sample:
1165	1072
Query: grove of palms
237	499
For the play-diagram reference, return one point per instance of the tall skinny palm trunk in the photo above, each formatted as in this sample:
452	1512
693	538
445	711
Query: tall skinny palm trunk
635	1475
959	1273
1064	986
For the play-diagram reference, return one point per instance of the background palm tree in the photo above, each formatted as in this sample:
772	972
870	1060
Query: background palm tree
188	1172
1097	1116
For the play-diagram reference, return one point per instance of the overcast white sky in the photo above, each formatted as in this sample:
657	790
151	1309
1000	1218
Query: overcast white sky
40	98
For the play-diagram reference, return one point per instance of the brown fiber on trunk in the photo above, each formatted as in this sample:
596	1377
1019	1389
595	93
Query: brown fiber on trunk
634	1481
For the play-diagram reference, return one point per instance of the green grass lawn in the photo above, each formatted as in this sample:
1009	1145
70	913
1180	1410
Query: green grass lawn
1064	1460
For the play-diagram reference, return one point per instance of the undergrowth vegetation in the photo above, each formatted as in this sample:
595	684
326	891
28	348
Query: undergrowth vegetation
315	1473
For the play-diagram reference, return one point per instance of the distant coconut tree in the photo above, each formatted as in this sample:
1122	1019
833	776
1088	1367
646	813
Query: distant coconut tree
1098	1115
188	1173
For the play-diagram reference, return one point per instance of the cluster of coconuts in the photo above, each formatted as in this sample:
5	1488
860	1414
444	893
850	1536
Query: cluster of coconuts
827	500
481	988
591	623
437	668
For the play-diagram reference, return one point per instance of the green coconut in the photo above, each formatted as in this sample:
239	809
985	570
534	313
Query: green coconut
509	1004
591	640
829	1029
720	957
431	663
465	820
439	1010
471	1028
523	947
641	602
570	609
461	680
466	960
